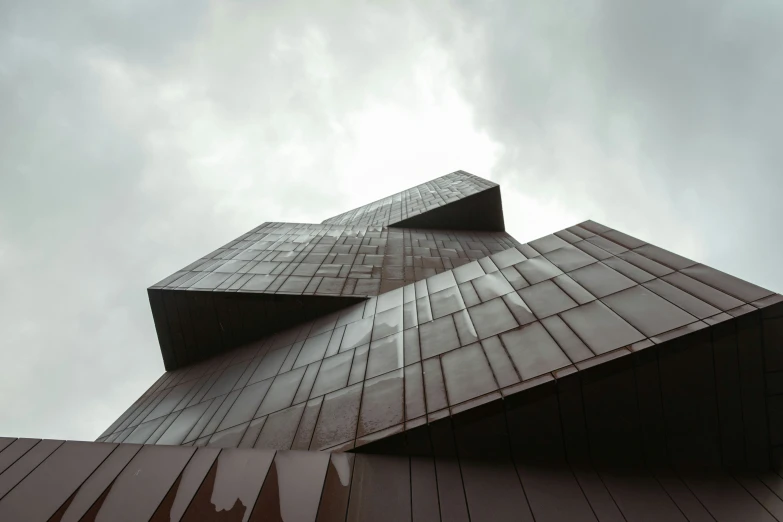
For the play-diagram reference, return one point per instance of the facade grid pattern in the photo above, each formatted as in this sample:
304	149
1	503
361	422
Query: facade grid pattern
409	360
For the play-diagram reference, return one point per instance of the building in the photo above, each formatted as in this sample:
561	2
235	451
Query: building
409	360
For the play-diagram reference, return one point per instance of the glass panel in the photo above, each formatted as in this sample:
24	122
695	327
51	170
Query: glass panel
546	299
333	374
281	394
506	258
171	400
313	349
409	315
647	312
581	232
334	341
438	336
412	352
414	392
569	258
734	286
643	263
548	243
339	414
467	272
303	393
533	351
359	365
446	302
226	381
185	422
572	288
440	282
568	236
245	406
469	295
628	270
369	306
465	329
408	294
270	365
609	246
594	227
600	280
389	300
258	283
600	328
514	278
664	257
519	309
537	269
467	374
356	334
382	405
351	314
433	385
592	250
385	355
492	285
279	428
487	265
421	289
573	347
528	251
143	431
684	300
304	434
251	434
504	371
229	438
387	323
213	423
705	293
423	311
623	239
323	324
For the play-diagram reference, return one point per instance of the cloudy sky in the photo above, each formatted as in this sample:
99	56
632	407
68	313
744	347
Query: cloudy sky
136	136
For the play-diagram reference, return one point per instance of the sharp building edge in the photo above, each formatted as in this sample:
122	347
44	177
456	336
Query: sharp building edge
410	360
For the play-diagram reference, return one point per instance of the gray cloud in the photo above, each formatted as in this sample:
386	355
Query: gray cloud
663	118
138	136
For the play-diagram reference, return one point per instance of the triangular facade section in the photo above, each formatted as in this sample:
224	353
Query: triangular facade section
480	211
409	208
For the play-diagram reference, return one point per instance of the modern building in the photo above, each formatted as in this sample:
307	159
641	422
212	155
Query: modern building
409	360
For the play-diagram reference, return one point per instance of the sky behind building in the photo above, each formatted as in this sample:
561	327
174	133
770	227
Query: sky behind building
138	136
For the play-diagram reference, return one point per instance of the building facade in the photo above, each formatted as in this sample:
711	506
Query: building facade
409	360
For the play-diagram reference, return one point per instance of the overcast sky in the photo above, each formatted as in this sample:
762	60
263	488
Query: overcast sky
137	136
